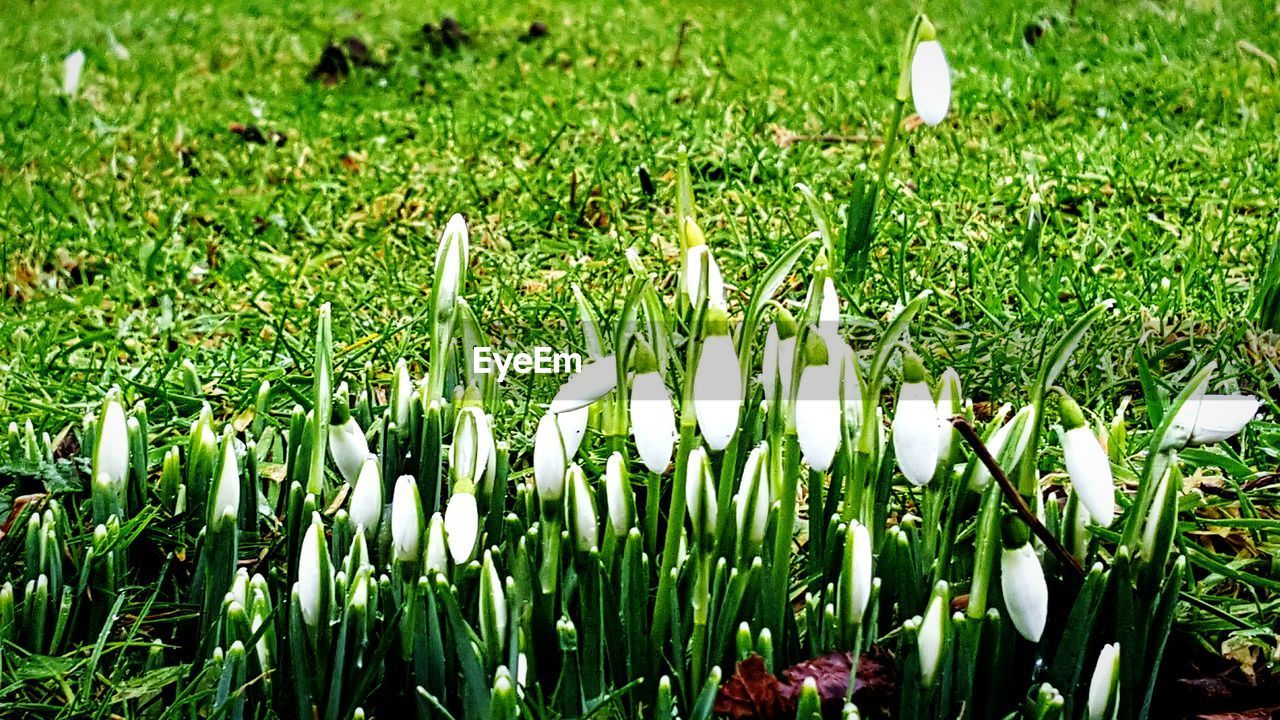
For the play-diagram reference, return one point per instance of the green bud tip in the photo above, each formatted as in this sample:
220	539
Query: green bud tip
1072	416
717	322
471	396
786	323
815	350
927	31
912	368
691	233
1014	532
643	359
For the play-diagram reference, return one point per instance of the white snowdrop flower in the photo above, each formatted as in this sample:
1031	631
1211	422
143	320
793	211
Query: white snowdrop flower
693	278
915	424
586	528
751	505
493	602
717	384
72	67
1214	418
402	394
347	444
1087	465
437	546
549	462
462	527
817	408
226	491
779	356
855	580
573	426
314	572
700	496
1102	685
932	633
366	498
1017	431
930	82
111	449
618	495
949	403
451	259
473	453
406	519
1026	596
653	418
592	382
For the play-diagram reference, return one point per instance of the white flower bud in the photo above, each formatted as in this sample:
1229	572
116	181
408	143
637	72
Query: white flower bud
315	575
586	530
226	490
1090	473
933	633
1214	418
406	520
111	449
437	546
855	576
493	604
717	391
462	527
549	461
930	82
752	502
693	276
653	421
817	409
617	489
1026	596
916	430
1102	686
72	67
366	498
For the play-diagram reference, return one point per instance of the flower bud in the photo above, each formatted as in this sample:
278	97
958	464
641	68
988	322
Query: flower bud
406	520
586	531
621	501
700	497
225	498
1102	686
592	381
473	453
1214	418
693	260
549	460
111	446
72	68
493	606
933	633
779	356
437	546
855	573
930	82
916	431
401	394
366	498
1016	431
451	261
315	575
817	408
717	384
462	527
653	419
950	402
1087	465
753	500
1026	595
347	444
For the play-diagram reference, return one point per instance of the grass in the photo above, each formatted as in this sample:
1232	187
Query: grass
137	230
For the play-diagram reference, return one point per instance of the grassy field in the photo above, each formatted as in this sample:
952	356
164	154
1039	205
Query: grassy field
207	192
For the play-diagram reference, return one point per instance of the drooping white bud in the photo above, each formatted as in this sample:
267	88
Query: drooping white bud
916	431
586	528
930	82
549	461
1026	595
717	390
462	527
406	520
653	421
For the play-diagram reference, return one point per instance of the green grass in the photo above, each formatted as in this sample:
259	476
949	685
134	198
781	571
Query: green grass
136	230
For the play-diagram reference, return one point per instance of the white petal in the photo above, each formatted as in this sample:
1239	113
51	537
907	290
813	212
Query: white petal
915	433
573	425
1103	681
406	519
437	546
72	67
929	640
615	488
112	447
717	392
1025	593
589	384
366	498
1217	417
653	421
862	569
930	82
462	527
1004	434
948	399
348	448
228	489
549	459
309	573
1090	473
818	415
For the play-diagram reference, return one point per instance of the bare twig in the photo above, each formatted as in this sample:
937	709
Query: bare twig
1014	497
684	30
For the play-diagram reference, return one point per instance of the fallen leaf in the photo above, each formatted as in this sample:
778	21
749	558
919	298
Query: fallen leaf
332	67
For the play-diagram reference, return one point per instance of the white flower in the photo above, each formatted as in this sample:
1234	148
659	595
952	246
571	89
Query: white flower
1214	418
850	385
915	425
700	496
402	394
932	631
818	412
653	421
573	427
493	602
717	391
348	448
1102	686
406	519
693	276
752	502
1025	593
1090	473
313	571
437	547
451	259
949	401
226	493
829	312
586	530
592	381
549	460
779	359
855	580
473	451
72	67
366	498
111	450
930	82
462	527
617	490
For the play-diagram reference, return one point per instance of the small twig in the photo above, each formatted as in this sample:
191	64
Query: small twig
1014	497
684	30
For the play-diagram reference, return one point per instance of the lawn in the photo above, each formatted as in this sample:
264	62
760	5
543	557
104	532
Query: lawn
213	183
